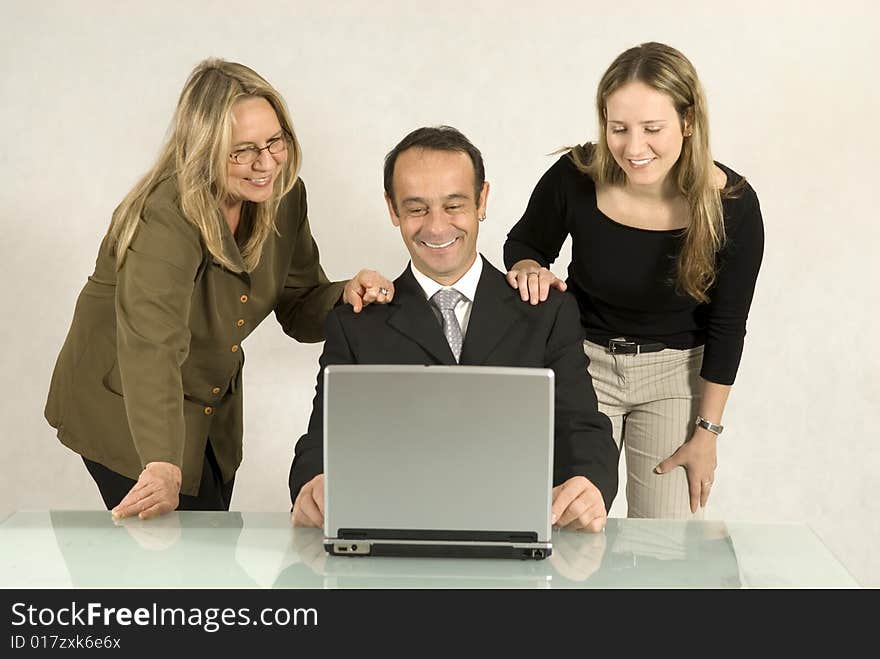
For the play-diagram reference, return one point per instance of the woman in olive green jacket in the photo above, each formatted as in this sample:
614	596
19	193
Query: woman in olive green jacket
147	388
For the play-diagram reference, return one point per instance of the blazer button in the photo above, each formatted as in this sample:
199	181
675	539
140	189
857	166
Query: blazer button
215	390
243	298
234	348
209	411
239	322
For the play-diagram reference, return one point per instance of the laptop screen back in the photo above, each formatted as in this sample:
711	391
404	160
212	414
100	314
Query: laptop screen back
438	448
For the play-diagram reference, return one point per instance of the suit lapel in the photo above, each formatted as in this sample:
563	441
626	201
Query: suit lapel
495	309
411	315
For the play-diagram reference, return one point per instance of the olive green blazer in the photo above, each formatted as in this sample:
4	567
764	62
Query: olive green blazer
151	366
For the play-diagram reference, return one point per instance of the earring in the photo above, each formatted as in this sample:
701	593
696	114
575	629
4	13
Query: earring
482	218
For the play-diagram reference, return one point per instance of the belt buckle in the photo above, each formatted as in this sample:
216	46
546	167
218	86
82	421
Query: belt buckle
621	342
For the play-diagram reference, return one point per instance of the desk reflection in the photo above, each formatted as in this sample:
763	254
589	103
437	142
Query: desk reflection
132	553
87	549
665	554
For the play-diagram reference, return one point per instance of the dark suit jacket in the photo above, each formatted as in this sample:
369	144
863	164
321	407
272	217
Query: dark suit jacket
502	331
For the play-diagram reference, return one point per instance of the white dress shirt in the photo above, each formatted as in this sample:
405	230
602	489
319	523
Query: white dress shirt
466	285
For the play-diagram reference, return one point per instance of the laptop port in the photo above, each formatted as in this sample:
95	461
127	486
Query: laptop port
537	553
361	549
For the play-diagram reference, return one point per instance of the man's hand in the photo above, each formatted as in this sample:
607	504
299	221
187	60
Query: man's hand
308	509
533	281
366	287
578	505
156	492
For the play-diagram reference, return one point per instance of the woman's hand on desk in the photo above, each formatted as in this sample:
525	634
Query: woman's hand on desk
308	509
156	492
578	505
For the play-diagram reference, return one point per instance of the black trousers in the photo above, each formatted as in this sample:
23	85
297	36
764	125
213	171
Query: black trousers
213	494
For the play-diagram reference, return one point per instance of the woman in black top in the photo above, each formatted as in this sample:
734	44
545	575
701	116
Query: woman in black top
666	248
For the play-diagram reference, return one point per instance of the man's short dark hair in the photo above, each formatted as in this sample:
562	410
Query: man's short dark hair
438	138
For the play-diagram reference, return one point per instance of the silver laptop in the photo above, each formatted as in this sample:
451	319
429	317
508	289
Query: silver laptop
438	461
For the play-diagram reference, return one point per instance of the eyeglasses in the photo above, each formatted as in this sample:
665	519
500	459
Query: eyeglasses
249	154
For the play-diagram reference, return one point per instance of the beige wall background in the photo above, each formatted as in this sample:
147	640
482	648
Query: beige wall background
88	89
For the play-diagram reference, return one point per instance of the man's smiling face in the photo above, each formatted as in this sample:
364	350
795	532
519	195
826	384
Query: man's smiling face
436	211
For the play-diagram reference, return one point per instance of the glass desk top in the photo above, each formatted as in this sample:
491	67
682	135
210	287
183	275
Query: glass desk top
88	549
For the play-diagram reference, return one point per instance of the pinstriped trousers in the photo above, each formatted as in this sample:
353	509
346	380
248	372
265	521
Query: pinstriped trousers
652	400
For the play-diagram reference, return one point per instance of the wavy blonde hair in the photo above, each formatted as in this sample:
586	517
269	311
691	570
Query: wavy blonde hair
665	69
197	155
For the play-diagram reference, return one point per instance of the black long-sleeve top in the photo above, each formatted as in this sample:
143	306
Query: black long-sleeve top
624	277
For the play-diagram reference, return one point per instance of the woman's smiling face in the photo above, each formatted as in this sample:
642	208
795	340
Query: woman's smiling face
644	133
254	127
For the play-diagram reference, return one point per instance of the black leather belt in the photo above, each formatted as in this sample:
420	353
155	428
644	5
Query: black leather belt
622	346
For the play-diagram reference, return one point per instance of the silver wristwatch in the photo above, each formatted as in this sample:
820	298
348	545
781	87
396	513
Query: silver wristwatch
708	425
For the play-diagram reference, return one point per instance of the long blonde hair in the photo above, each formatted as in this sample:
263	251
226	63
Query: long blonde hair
197	153
665	69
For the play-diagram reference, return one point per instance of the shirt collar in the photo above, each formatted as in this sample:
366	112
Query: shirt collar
466	285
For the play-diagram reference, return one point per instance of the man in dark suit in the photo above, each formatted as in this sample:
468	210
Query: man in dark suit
452	306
